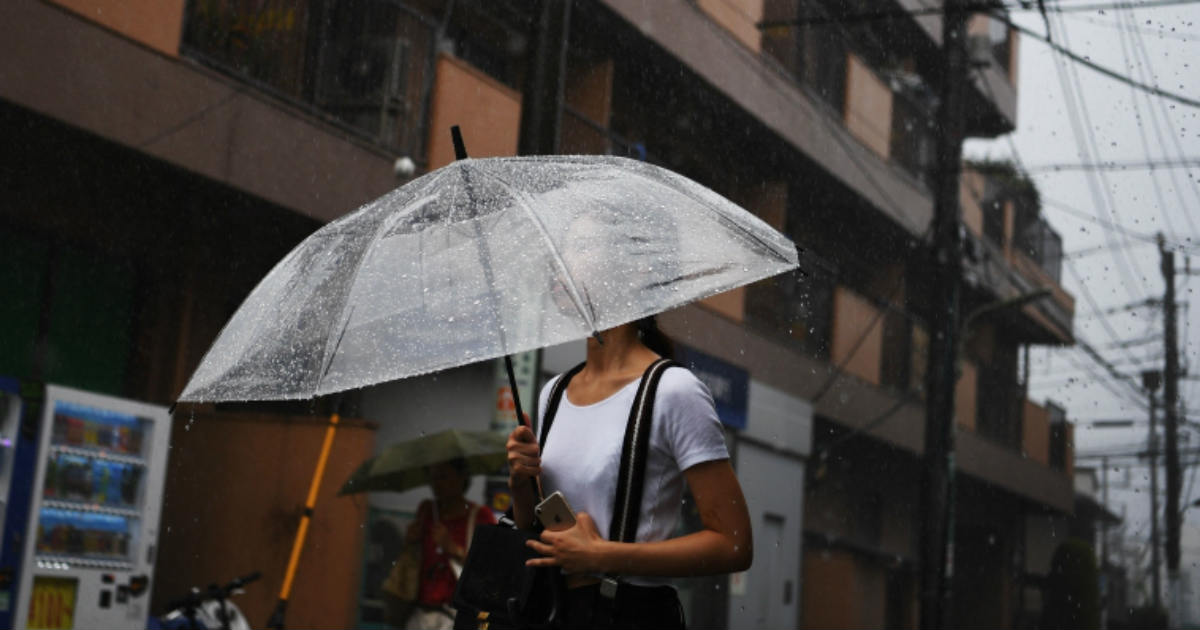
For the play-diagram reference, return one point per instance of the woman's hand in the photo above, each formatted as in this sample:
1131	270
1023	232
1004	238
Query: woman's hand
524	456
575	550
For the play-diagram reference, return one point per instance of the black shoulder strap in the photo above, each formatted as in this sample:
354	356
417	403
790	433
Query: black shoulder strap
556	395
632	474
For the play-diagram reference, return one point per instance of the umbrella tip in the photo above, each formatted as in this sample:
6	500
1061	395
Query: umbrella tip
460	149
599	338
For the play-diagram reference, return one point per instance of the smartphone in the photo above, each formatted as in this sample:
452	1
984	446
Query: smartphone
555	513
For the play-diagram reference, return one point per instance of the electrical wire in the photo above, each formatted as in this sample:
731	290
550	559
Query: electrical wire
1062	50
1081	123
885	14
1184	37
1098	249
1148	164
1140	47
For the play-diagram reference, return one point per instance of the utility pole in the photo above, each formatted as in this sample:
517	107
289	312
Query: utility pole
937	491
1104	522
545	81
1171	406
1151	379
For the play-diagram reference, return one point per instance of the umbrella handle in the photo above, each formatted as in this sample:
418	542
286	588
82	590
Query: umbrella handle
521	417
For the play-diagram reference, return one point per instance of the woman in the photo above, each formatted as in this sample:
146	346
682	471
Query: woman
581	460
443	528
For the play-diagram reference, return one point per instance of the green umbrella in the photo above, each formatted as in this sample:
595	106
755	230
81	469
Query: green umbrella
406	465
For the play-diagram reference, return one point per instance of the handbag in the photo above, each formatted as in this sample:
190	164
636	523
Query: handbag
496	591
402	586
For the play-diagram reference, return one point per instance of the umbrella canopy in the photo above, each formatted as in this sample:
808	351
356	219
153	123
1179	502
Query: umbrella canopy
479	259
406	465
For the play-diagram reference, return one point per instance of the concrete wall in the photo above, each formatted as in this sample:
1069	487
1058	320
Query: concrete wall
154	23
736	72
72	70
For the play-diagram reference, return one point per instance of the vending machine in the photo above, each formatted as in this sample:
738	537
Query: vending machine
19	416
93	519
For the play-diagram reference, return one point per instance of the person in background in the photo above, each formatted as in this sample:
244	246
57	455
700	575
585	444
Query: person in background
443	528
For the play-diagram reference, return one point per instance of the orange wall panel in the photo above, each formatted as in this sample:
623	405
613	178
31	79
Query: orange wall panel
1035	429
589	91
972	189
235	489
739	17
868	107
828	600
155	23
731	304
841	591
852	315
964	397
488	112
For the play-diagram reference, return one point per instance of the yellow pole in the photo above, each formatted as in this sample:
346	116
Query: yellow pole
284	592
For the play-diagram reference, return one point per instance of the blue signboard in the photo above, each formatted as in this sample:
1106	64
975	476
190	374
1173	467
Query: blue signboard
729	384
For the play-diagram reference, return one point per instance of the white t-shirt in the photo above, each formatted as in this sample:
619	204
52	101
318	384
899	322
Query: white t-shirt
583	451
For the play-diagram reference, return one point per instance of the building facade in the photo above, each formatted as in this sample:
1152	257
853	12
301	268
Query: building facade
163	155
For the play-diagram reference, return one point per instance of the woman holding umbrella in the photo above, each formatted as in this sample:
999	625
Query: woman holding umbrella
582	448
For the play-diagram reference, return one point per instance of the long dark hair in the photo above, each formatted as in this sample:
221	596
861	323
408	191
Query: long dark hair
654	338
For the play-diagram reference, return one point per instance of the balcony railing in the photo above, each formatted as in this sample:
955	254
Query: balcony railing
1043	245
364	65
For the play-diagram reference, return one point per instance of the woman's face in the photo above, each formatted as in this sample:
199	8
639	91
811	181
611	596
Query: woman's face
446	481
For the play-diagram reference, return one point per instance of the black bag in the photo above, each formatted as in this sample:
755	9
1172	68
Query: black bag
496	591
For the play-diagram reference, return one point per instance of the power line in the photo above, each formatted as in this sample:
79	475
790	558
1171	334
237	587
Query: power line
1098	249
1113	165
1081	125
884	14
1094	66
1184	37
1140	46
1192	246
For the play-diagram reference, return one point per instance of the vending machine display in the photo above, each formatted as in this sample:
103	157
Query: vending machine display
94	519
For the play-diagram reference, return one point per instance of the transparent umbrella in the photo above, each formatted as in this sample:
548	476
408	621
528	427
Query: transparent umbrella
481	259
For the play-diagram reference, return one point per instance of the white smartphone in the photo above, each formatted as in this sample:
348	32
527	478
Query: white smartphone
555	513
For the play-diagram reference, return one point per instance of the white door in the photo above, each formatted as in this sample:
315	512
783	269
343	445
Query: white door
767	596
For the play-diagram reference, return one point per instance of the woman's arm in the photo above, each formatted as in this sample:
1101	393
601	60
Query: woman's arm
724	545
524	466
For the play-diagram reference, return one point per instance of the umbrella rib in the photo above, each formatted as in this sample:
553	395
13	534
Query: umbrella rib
519	196
385	224
721	216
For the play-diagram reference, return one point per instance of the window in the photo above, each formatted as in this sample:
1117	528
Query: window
363	62
814	54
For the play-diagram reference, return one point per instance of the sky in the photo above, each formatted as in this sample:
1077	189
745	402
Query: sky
1069	114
